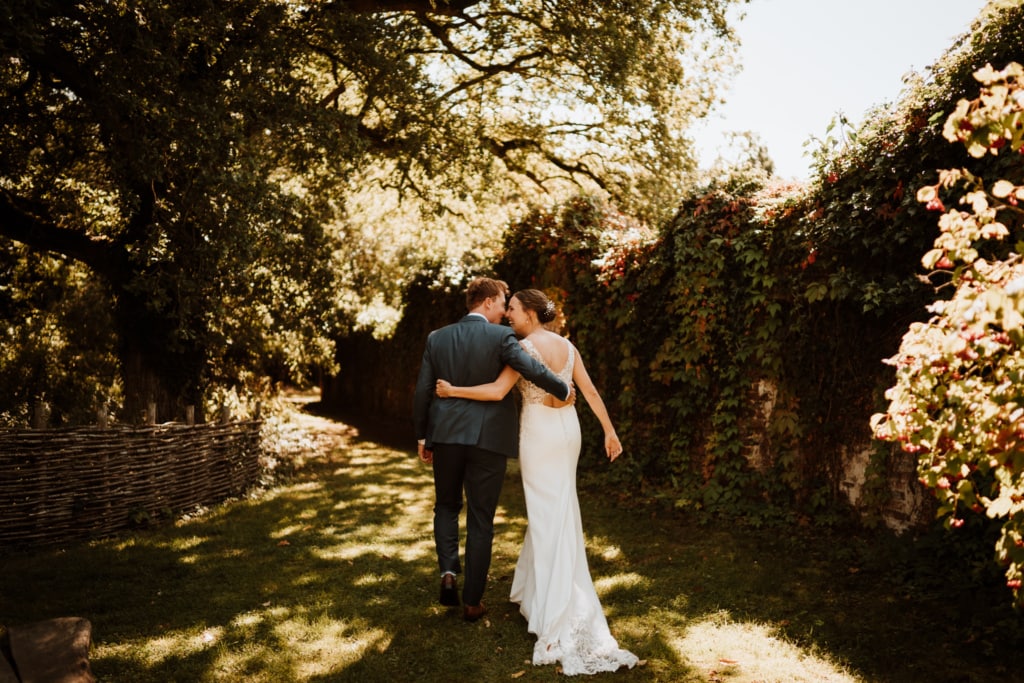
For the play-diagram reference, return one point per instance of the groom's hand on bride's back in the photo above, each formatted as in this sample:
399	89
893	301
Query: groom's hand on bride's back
553	402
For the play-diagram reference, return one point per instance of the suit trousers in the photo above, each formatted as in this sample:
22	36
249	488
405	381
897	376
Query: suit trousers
480	473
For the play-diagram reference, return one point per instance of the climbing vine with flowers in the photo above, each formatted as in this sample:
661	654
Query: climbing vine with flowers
676	327
958	401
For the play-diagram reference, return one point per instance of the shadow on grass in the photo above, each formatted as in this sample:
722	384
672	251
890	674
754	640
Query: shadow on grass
332	577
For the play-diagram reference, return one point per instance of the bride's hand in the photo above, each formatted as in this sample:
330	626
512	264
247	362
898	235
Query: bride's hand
612	446
443	388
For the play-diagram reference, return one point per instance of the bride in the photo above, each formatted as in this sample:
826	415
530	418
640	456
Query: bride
552	583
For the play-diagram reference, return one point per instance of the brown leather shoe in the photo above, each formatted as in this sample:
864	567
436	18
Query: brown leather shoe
473	613
449	591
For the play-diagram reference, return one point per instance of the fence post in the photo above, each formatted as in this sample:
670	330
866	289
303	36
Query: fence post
190	415
151	414
225	413
101	416
41	415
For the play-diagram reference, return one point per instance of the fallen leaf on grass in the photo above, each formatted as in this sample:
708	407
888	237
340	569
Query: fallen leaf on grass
723	660
519	674
282	543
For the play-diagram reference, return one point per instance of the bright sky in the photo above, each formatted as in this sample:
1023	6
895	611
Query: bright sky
803	61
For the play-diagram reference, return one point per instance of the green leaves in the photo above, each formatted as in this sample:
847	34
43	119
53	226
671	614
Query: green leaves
994	119
957	404
816	291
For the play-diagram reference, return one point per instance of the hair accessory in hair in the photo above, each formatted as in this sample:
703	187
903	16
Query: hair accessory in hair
547	314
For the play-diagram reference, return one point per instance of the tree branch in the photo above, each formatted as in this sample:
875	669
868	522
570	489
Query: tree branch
20	223
447	7
501	149
441	34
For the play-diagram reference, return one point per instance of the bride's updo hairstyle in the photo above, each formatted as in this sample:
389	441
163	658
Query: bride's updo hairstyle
538	302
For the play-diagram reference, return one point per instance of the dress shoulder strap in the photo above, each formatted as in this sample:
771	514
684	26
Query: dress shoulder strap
530	348
572	357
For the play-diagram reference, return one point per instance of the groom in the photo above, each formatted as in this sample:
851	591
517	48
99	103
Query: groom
468	441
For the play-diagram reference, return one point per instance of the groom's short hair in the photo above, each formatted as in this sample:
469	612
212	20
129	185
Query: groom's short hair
484	288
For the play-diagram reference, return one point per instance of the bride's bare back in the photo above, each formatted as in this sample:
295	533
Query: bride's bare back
555	353
552	348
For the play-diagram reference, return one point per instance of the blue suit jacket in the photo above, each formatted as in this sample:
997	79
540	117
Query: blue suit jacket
470	352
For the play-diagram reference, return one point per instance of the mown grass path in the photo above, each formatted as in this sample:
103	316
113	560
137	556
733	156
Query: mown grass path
331	576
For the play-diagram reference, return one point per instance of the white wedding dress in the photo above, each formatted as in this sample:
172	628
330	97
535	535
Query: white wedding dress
552	583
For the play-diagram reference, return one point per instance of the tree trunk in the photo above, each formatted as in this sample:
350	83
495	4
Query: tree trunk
155	367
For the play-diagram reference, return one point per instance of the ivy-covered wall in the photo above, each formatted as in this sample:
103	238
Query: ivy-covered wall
740	345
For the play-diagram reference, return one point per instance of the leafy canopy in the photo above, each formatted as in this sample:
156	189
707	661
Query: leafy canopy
219	167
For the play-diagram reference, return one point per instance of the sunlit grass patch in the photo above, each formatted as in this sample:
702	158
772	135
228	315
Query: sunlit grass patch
625	580
743	651
323	646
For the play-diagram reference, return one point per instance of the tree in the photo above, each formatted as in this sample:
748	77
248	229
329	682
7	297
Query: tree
198	157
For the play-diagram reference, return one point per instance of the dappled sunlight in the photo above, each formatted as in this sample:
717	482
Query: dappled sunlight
374	579
747	651
287	531
154	651
311	579
247	620
599	545
420	550
310	647
377	535
323	647
187	542
335	579
294	492
308	514
404	551
501	516
379	492
626	580
337	553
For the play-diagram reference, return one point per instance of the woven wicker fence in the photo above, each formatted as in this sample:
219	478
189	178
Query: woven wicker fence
63	484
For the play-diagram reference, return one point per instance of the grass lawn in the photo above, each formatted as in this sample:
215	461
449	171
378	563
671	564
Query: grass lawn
331	576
